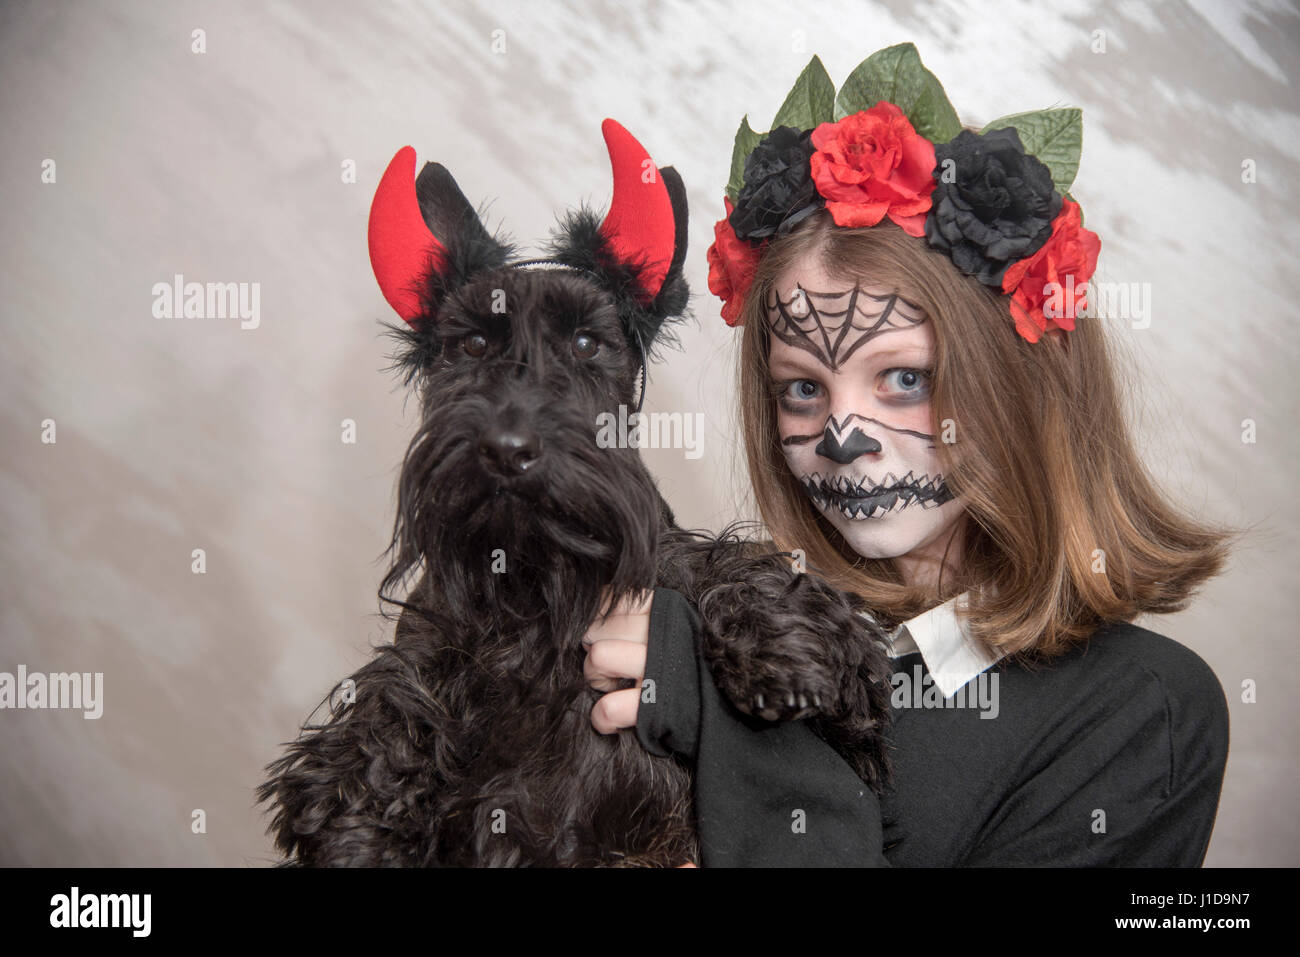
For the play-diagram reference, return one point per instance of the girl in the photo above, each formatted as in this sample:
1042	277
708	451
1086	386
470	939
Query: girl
928	424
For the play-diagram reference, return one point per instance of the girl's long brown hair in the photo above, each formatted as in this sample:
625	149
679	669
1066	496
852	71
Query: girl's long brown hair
1066	528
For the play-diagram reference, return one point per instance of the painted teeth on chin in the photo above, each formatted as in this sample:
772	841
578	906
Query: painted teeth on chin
861	512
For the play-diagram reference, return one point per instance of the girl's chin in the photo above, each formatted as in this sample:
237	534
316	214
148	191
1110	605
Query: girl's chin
891	535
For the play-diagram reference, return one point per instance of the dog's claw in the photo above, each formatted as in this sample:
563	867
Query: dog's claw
781	705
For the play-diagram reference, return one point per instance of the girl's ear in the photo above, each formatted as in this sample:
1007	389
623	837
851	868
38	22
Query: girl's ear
637	251
425	239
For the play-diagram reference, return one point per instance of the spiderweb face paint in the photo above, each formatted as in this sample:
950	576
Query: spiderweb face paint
832	326
852	381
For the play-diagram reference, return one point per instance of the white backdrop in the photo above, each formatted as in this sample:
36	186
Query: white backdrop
226	166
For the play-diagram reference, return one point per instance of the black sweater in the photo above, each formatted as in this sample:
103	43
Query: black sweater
1110	755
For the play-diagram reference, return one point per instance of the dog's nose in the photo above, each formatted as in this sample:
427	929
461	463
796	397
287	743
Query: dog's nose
510	451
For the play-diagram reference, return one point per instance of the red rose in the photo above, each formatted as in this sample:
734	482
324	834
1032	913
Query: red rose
731	266
1049	289
874	164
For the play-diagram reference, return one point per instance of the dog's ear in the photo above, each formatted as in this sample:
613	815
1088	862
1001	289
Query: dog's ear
637	251
425	238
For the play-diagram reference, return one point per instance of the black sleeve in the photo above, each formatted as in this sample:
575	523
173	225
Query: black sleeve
1137	763
766	794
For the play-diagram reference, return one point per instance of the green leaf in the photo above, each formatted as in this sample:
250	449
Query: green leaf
1055	137
746	140
811	101
897	75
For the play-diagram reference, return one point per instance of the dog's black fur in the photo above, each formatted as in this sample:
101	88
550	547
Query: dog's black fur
468	741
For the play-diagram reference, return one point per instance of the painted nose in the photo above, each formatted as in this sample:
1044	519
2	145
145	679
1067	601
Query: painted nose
510	451
858	443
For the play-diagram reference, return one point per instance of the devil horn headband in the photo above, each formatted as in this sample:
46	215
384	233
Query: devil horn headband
640	228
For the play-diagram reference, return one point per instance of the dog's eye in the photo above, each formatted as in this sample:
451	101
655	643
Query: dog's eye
474	345
585	346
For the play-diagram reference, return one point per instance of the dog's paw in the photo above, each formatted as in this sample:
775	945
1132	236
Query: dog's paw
784	645
771	672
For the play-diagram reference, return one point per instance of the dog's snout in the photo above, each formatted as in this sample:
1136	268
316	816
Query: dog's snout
510	451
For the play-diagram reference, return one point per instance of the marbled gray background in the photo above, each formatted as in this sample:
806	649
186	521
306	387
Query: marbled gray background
225	166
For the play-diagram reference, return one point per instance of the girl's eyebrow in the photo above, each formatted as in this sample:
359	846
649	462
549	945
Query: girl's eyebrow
920	352
799	362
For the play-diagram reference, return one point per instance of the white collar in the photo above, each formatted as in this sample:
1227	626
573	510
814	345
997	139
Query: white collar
943	638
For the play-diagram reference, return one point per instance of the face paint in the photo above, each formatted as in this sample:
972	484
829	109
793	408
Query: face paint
832	326
852	379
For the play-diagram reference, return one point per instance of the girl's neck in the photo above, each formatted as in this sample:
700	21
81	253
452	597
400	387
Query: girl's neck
937	562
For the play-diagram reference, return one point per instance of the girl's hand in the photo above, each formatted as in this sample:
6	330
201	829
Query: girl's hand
616	649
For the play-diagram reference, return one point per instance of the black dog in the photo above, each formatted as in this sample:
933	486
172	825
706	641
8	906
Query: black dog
468	740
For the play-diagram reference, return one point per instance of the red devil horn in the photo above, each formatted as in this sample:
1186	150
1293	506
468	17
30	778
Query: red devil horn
639	225
402	249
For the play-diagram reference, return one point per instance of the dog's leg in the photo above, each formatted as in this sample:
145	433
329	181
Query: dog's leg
784	645
357	789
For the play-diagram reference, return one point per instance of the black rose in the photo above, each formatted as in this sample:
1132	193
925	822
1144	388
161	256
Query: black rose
778	191
998	207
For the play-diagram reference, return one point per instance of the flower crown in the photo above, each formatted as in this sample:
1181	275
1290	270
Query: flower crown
996	201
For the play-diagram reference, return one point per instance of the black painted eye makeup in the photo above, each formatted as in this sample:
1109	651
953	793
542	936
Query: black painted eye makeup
796	396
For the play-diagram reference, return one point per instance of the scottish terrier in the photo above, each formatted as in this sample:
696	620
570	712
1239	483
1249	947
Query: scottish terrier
467	741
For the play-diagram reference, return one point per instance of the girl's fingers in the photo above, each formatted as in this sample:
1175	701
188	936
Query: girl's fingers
610	659
636	603
616	710
616	649
630	604
629	621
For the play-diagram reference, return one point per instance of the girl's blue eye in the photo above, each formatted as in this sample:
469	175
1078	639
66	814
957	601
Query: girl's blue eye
803	389
912	383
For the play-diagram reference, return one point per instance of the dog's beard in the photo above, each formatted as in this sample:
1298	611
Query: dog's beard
541	544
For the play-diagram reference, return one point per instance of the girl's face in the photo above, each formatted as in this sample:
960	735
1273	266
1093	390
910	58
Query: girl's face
851	367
